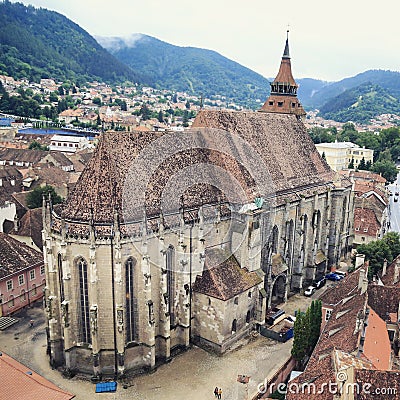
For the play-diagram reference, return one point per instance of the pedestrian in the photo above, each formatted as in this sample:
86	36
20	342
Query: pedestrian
31	323
220	393
216	392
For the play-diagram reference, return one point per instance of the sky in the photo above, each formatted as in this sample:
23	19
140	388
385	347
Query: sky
329	40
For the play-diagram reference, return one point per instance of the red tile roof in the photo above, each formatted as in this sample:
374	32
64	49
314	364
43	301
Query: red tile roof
15	255
365	222
377	346
19	382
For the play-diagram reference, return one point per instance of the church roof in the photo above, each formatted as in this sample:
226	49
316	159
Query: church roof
279	144
223	277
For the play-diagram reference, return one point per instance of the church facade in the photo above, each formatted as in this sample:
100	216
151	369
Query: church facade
133	279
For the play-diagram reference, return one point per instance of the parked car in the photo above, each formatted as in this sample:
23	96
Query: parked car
310	291
341	273
333	277
319	283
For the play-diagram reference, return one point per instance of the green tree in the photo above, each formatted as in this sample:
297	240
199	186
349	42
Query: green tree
315	322
185	120
376	251
187	105
385	168
323	156
37	146
362	164
300	339
351	164
160	116
35	197
97	101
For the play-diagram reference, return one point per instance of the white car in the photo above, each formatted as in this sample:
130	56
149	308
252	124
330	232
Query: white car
310	291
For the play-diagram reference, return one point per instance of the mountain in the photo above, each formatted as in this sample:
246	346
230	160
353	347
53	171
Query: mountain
360	104
189	69
389	80
38	43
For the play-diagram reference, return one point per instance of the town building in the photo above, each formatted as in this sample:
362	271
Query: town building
22	275
68	144
340	154
357	355
172	238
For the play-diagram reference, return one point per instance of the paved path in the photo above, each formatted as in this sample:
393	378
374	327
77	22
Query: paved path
193	374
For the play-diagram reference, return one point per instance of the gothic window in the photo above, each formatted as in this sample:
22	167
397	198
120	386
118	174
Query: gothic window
289	239
248	317
130	305
170	264
274	239
234	326
60	277
84	301
344	210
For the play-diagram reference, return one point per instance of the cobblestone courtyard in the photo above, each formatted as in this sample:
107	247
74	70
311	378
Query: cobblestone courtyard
193	374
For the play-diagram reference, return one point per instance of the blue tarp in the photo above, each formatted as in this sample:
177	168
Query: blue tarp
104	387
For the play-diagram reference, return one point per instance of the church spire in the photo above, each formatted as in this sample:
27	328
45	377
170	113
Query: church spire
283	98
286	51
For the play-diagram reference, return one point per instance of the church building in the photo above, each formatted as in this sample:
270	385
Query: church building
177	238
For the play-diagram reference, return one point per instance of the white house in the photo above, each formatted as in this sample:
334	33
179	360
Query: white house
67	143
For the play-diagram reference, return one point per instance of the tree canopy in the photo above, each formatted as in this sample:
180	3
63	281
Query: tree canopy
35	197
378	250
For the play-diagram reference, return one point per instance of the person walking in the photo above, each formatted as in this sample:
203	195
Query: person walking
220	393
216	392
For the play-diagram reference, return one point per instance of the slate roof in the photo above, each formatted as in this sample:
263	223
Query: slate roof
15	255
279	143
19	382
223	277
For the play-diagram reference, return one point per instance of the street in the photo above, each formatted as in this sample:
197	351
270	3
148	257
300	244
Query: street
394	206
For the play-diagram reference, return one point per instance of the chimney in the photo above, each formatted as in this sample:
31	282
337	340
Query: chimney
362	281
384	267
1	182
360	259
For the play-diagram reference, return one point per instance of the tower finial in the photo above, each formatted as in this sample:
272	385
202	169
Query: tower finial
286	51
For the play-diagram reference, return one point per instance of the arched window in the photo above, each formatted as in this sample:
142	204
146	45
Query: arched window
170	264
248	317
131	303
234	326
275	239
60	277
84	317
23	295
344	212
289	240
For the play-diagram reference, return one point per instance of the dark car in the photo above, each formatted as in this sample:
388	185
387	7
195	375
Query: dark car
333	277
319	283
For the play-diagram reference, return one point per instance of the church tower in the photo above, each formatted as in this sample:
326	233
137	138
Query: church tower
283	98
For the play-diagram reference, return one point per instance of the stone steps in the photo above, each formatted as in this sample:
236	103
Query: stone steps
6	322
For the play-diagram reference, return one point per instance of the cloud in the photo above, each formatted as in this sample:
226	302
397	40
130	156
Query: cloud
117	43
